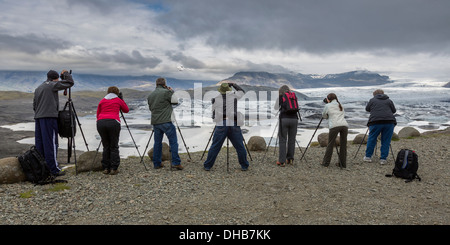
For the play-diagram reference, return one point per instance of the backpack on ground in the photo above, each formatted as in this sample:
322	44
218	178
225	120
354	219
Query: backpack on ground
35	168
406	165
65	124
289	103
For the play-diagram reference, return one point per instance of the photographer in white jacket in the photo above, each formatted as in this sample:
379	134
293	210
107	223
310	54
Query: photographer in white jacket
334	112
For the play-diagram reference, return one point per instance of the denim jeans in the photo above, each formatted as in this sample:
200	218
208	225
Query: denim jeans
171	133
234	134
386	130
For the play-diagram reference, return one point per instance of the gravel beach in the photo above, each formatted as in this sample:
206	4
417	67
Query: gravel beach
305	193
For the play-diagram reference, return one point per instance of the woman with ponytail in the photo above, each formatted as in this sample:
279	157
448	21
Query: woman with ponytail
337	124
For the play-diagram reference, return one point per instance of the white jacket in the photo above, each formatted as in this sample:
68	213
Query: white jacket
334	115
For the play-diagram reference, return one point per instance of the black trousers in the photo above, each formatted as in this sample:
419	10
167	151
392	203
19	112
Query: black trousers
109	130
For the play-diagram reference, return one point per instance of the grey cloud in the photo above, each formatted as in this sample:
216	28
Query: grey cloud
99	6
135	58
314	26
31	43
186	61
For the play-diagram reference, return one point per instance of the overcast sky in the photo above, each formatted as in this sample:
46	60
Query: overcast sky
213	39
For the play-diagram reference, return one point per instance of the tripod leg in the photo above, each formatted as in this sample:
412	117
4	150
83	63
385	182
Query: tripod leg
183	140
339	157
210	137
96	152
318	125
361	143
72	139
270	140
248	152
275	149
227	155
146	147
392	152
298	145
79	125
129	131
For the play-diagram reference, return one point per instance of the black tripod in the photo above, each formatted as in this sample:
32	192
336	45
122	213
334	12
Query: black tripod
318	125
245	144
276	127
182	138
390	146
71	138
132	138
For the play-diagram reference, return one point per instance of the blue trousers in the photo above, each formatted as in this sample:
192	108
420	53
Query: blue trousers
386	130
220	134
171	133
46	141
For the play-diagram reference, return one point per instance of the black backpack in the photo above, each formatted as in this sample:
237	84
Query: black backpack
406	165
64	124
289	103
35	168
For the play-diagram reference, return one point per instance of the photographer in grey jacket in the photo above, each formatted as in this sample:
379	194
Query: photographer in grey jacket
46	109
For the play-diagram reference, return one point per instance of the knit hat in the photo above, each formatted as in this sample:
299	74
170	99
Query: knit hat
52	75
224	87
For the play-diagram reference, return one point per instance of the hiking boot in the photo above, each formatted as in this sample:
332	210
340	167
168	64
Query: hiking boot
290	161
367	159
177	167
106	171
114	172
281	164
160	166
60	173
383	161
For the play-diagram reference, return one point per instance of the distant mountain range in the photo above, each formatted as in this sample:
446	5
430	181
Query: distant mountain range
27	81
299	81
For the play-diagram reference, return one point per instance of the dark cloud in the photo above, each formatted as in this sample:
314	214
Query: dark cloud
314	26
99	6
186	61
133	59
31	43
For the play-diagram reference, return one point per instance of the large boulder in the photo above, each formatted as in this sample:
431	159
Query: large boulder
166	155
323	140
89	161
256	143
359	139
407	132
11	171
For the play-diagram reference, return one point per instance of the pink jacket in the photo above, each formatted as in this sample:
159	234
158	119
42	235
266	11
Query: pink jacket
110	106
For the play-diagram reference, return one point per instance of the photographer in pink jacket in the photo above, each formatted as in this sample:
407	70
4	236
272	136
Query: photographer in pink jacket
108	126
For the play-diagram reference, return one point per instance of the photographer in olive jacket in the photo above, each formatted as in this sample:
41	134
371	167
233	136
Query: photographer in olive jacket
46	108
160	104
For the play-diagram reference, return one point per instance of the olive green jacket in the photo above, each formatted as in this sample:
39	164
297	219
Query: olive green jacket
160	104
